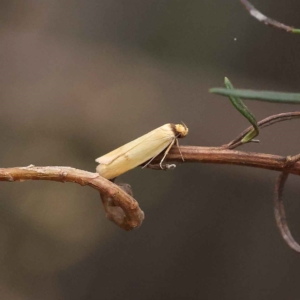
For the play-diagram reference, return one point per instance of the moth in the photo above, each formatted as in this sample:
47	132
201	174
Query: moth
143	149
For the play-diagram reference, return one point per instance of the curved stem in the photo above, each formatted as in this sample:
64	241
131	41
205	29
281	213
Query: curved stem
131	215
262	124
266	20
118	203
280	215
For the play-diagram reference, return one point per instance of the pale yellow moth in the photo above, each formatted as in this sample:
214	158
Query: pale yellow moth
141	150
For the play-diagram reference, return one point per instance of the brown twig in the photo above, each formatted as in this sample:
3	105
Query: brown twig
280	215
279	211
128	217
266	20
219	155
117	214
119	205
262	124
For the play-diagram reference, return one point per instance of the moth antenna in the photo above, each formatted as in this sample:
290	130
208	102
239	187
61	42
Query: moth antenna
183	124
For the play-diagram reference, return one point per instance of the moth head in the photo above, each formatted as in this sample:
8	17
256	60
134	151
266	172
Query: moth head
181	130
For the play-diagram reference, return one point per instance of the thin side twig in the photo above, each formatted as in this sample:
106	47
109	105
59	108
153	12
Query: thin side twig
279	211
280	215
266	20
262	124
130	216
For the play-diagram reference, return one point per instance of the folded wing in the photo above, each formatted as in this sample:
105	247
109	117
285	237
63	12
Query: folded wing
135	153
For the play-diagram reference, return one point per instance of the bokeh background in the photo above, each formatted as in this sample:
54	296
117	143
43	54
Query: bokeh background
80	78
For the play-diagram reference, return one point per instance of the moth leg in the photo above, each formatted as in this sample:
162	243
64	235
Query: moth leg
177	144
166	167
144	166
166	153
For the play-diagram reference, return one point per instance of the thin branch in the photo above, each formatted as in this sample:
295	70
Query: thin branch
117	214
262	124
219	155
280	215
119	205
124	210
279	211
266	20
128	217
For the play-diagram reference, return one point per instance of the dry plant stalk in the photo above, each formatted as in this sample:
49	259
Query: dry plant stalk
123	209
130	216
255	13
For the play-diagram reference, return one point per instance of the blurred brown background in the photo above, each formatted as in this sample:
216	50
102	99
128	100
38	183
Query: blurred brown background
80	78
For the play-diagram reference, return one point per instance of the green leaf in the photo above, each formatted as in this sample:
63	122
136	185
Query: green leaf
277	97
250	136
243	109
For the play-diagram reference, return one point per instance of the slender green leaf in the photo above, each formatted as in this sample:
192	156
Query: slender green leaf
243	109
277	97
250	135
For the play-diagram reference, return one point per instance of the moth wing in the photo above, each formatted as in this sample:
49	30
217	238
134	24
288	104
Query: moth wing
146	150
113	155
155	139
